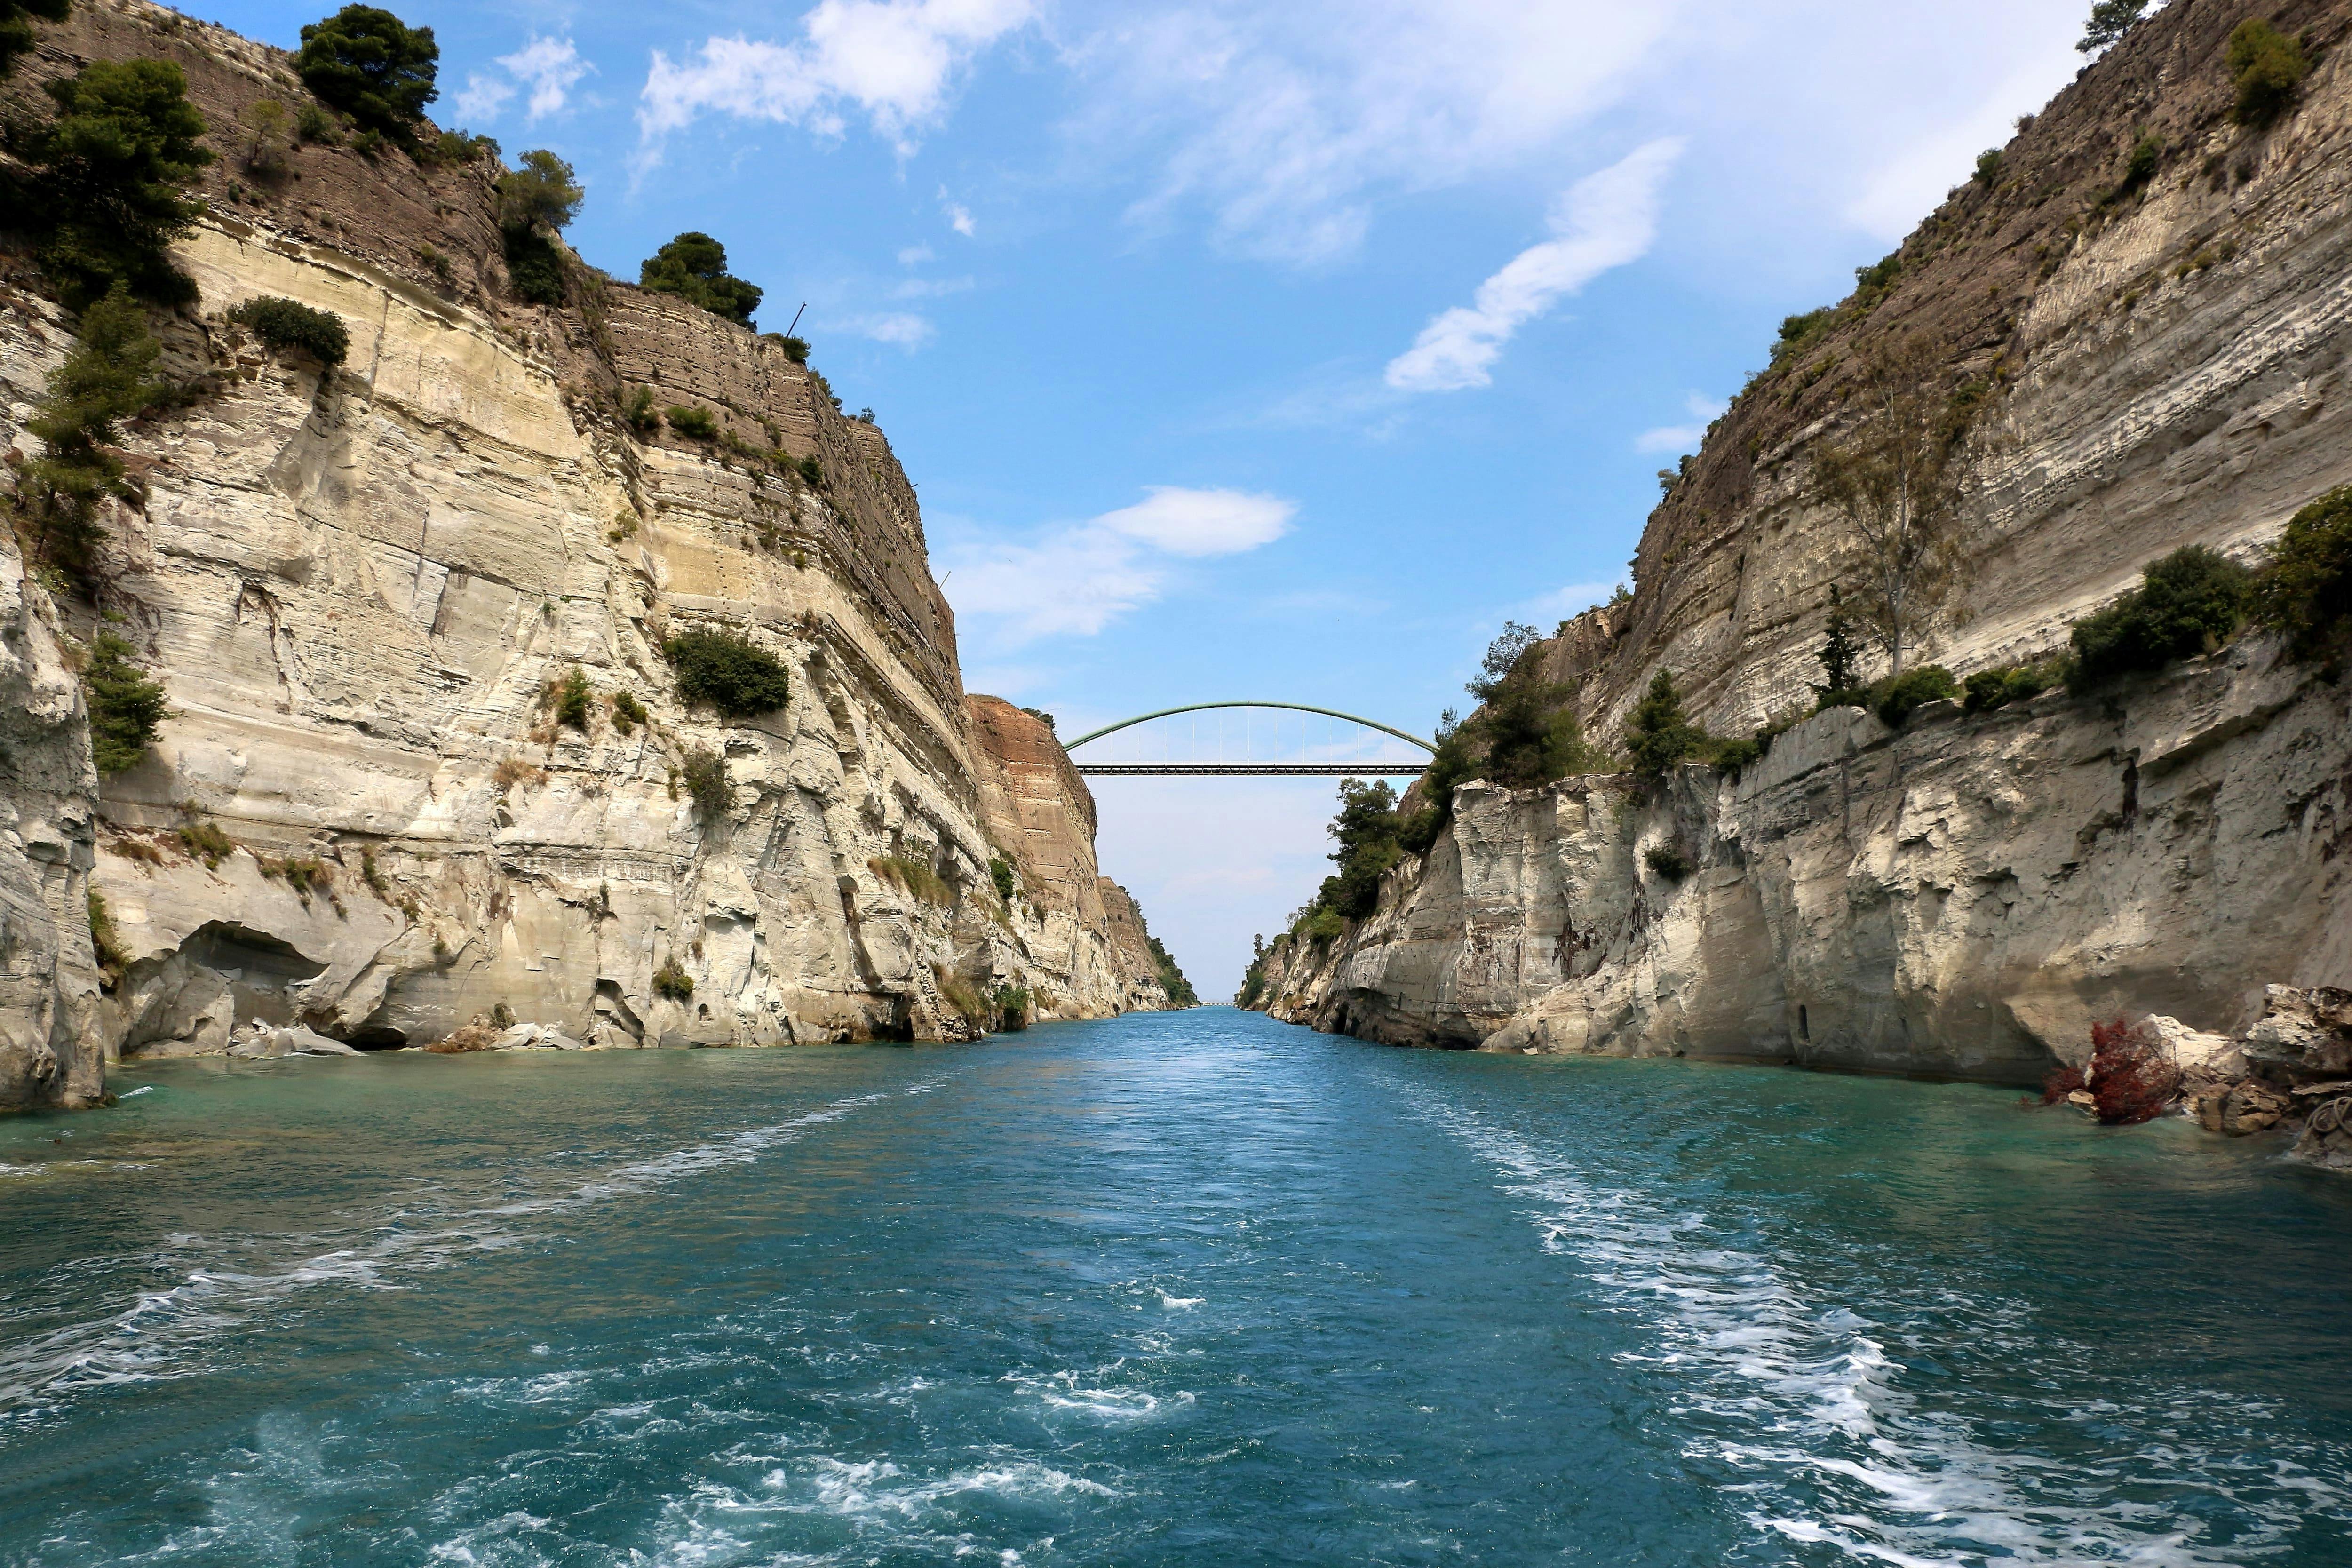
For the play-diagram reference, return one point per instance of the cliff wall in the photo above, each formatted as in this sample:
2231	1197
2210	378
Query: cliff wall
361	587
2155	366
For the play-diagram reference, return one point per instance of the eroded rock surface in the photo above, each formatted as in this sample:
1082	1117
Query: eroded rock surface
360	585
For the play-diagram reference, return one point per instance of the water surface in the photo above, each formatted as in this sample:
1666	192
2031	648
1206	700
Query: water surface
1193	1288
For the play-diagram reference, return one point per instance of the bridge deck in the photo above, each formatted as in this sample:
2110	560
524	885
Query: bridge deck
1228	770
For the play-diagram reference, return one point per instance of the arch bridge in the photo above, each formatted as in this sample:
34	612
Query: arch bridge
1249	738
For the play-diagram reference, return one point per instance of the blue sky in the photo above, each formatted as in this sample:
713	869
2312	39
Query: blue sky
1260	351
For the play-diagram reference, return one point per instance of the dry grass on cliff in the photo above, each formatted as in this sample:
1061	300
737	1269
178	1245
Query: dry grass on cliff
913	878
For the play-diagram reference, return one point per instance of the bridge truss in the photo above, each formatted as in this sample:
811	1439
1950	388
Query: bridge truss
1168	765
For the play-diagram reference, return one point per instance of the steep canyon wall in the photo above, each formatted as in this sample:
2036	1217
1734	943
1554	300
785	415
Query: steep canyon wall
2155	364
360	588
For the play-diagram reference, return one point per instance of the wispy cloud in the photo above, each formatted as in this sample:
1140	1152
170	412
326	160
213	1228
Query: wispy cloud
549	68
1604	220
959	216
1074	580
1287	123
892	60
903	327
1703	409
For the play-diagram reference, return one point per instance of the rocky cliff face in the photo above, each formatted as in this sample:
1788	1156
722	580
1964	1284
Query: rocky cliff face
2158	366
360	588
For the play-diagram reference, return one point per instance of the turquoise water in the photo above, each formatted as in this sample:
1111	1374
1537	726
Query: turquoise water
1194	1289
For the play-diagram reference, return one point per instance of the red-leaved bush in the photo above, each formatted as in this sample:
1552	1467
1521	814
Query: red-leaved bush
2129	1080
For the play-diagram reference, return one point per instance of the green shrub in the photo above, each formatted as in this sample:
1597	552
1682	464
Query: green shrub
672	981
2307	589
694	267
1798	334
368	143
126	708
795	349
202	837
17	27
371	65
728	670
1041	716
1000	871
571	699
1010	1005
1897	696
1452	765
541	194
2265	66
693	423
534	266
1840	651
627	711
706	784
1876	279
2110	20
2140	168
105	945
283	324
1667	861
640	413
1988	165
105	180
2187	603
1253	977
312	123
105	379
1990	688
1366	828
1730	756
1171	979
811	470
913	878
1657	735
1319	926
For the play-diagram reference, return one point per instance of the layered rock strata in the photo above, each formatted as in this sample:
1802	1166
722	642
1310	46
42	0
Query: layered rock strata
361	587
2155	363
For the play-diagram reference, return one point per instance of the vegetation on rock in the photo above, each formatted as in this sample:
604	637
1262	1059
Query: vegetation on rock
728	670
1657	733
373	65
914	878
106	379
1171	978
672	981
127	708
2110	20
572	697
107	176
2187	603
627	711
706	784
2266	66
693	423
694	267
2307	589
289	324
535	203
1000	871
1667	861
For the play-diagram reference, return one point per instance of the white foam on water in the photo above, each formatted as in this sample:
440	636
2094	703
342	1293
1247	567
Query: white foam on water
161	1335
1799	1393
1180	1303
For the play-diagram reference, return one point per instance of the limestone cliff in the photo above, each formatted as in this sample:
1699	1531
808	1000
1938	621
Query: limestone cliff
2158	363
361	586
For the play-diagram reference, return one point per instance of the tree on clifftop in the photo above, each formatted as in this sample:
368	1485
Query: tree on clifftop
107	178
2110	20
1897	480
694	267
373	65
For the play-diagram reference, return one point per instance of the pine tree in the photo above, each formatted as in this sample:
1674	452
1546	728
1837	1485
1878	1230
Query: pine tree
1840	654
1657	734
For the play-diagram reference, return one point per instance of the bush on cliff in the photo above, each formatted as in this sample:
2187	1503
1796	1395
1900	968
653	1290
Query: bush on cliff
727	669
105	379
2265	66
672	981
694	267
706	784
693	423
1896	698
1171	978
2110	20
999	872
373	65
2187	603
282	324
2307	589
107	176
1366	828
1657	734
1253	977
126	708
572	697
541	195
1991	689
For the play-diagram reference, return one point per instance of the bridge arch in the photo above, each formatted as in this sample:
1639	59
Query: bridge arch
1360	769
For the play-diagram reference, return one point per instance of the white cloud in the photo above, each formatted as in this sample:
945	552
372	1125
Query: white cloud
1605	220
894	61
1703	409
482	99
914	255
1202	522
1287	122
550	68
959	220
1075	580
904	328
